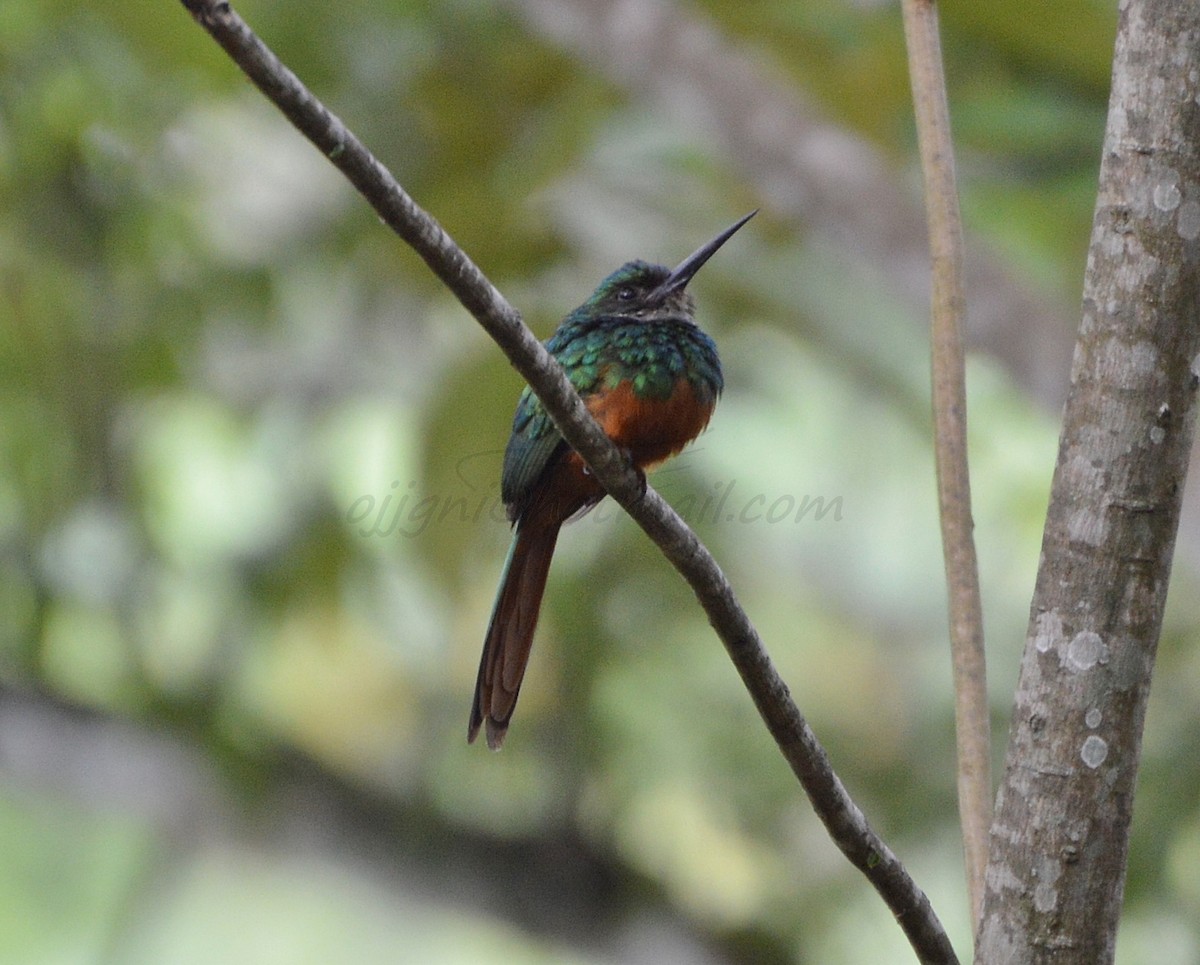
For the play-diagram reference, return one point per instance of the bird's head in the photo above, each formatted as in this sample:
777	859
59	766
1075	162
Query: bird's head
639	289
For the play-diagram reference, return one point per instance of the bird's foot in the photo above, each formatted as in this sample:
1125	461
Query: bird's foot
641	474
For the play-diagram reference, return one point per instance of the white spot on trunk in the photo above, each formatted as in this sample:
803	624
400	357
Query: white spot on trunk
1045	898
1086	526
1094	751
1085	650
1166	196
1187	222
1045	894
1093	717
1047	630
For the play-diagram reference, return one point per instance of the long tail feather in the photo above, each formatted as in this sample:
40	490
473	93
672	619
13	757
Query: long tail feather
510	632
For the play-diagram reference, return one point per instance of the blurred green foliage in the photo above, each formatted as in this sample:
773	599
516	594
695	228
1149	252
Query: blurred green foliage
249	451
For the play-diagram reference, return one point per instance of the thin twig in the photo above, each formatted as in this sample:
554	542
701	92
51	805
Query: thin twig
841	816
973	726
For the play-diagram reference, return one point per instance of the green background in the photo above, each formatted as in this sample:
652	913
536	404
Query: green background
248	497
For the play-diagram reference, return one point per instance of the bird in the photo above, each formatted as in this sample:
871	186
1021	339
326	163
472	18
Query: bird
650	377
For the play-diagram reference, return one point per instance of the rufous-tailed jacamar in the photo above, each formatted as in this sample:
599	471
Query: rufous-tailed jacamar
651	378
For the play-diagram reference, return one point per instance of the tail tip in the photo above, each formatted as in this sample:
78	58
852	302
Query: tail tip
495	732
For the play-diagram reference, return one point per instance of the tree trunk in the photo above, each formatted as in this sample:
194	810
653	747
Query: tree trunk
1059	840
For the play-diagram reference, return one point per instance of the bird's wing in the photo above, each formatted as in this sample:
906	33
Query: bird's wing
531	448
535	442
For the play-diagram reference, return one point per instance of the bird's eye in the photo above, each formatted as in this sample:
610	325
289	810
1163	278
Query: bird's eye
625	294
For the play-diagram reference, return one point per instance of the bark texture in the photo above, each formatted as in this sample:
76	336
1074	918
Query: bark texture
1059	840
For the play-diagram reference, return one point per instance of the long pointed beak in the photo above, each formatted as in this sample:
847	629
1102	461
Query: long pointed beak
679	278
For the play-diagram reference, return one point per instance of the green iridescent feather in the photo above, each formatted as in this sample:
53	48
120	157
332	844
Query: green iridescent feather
611	338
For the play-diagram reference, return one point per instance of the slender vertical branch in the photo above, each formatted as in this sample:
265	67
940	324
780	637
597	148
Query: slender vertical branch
950	439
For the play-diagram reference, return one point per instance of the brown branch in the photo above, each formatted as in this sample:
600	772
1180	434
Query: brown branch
1056	873
841	816
972	722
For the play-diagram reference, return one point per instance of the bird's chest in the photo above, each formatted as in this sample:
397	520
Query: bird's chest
649	427
652	387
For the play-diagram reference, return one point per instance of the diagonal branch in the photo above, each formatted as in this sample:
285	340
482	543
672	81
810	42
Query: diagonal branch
841	816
